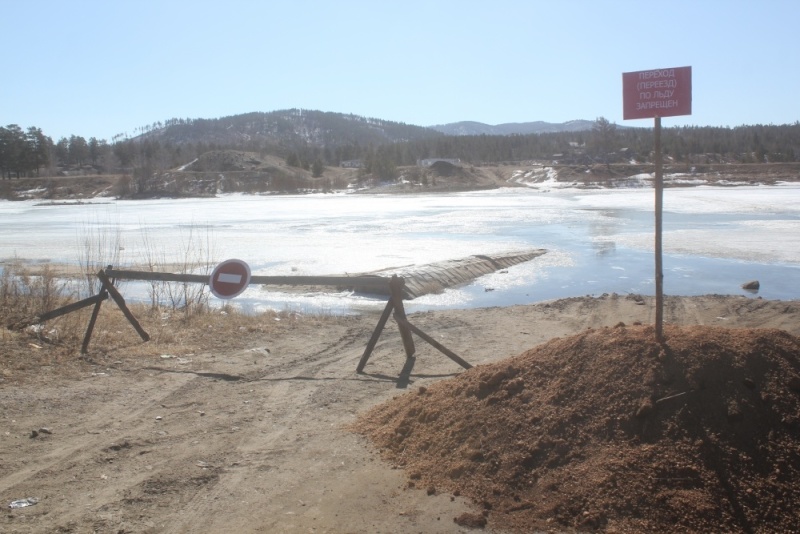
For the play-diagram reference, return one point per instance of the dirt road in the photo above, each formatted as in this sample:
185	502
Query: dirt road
256	439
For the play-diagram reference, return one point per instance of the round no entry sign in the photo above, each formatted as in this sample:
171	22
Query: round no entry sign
229	279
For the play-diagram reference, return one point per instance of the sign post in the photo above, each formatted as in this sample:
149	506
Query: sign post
657	93
229	279
659	208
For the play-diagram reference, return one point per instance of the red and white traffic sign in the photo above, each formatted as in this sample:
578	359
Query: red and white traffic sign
229	279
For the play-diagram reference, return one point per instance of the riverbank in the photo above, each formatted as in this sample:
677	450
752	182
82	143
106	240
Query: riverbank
443	179
241	424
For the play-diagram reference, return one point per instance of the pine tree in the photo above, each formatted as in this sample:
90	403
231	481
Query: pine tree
317	168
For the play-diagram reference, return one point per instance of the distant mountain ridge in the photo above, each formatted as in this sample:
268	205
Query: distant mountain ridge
293	127
512	128
288	128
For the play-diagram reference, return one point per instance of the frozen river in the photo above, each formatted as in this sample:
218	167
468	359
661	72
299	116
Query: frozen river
598	241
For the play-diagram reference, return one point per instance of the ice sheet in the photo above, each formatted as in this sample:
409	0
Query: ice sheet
599	240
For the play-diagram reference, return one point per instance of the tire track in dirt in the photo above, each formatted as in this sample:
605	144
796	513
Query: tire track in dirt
78	447
295	460
210	454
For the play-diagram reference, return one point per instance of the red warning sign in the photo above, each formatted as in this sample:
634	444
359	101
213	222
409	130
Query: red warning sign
657	93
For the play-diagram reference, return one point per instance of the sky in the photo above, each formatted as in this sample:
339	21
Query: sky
98	68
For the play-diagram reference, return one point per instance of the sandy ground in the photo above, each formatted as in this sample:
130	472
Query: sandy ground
256	439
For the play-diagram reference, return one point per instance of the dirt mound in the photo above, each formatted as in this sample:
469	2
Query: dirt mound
608	429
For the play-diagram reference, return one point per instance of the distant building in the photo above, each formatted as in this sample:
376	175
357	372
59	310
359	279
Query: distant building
352	164
430	161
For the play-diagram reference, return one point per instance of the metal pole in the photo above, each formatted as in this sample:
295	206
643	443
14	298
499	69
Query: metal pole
659	186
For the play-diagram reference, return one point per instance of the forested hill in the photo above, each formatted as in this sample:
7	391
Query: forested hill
289	127
309	139
327	129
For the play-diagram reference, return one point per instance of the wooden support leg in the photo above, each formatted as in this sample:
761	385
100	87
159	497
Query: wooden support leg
69	308
376	334
438	346
405	373
396	285
108	286
103	295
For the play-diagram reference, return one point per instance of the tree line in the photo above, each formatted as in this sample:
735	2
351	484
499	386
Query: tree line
23	151
27	152
324	139
745	144
604	143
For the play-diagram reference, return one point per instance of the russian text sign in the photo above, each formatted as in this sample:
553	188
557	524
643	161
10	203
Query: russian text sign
657	93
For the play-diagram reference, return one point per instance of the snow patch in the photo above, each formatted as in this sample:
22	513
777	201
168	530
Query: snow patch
183	167
30	193
537	177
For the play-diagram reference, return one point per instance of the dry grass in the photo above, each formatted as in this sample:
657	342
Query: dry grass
30	352
27	291
39	351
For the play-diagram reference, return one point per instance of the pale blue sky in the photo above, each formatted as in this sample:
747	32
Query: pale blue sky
98	68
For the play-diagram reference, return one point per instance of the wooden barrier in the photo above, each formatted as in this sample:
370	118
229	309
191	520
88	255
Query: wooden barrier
396	286
378	284
381	285
106	289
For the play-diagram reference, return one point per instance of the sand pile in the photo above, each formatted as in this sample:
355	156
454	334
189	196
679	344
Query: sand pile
610	430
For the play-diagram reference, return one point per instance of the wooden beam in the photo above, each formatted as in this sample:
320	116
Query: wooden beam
396	285
160	277
404	378
378	284
95	312
71	307
376	334
108	286
438	346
